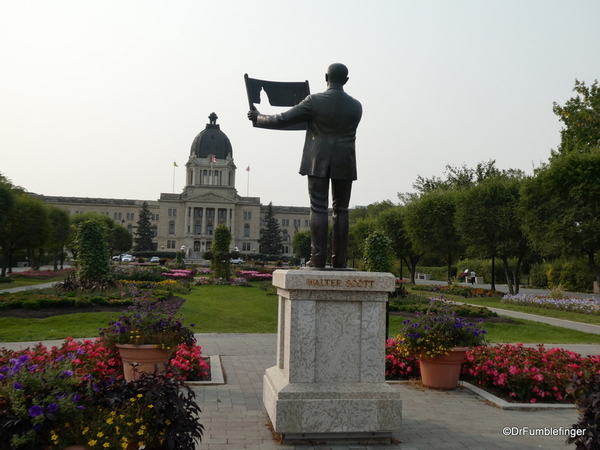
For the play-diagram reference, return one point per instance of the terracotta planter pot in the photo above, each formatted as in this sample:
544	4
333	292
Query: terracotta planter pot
442	372
142	358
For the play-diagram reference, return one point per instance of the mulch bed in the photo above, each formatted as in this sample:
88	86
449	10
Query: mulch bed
42	313
499	319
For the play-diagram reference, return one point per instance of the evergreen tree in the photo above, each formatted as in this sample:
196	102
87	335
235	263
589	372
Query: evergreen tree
271	241
143	234
220	253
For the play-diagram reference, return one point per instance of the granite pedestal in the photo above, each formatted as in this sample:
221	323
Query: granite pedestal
329	381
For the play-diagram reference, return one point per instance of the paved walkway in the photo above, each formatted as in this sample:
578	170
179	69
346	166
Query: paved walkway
234	417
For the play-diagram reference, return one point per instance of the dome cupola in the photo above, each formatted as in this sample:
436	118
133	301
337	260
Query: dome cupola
211	141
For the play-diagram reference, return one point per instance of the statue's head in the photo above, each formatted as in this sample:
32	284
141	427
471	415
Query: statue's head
337	73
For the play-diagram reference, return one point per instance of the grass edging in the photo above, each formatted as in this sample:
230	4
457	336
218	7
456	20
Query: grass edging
497	401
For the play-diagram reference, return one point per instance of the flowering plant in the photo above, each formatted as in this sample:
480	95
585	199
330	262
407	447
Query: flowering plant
399	363
148	322
434	334
528	374
40	404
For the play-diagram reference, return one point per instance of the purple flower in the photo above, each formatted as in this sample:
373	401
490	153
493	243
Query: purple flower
53	407
18	386
35	411
67	373
60	358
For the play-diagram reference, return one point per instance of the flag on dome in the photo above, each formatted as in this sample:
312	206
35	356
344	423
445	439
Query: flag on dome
175	164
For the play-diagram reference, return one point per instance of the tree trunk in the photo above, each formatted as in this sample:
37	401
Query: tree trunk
493	273
449	271
507	274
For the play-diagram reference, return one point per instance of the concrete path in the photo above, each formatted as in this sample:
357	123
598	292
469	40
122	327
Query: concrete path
234	418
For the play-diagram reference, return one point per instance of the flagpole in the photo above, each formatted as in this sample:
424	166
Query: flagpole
248	182
173	178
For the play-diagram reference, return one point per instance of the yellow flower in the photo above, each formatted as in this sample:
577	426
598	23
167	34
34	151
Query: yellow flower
100	434
150	406
92	442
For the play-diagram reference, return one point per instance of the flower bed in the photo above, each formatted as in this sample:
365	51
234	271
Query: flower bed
512	372
32	300
90	358
179	274
525	374
203	281
254	275
438	304
573	304
463	291
75	394
42	274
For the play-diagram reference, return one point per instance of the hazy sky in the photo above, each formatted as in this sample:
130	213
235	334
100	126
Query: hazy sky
99	98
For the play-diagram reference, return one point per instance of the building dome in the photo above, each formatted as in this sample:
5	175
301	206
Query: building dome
211	141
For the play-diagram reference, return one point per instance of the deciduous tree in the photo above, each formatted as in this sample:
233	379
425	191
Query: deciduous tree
560	206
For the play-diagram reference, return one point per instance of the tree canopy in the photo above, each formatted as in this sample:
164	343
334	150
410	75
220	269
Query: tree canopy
560	206
143	234
581	118
271	241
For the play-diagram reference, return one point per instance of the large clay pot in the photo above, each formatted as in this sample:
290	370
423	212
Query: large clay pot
142	358
442	372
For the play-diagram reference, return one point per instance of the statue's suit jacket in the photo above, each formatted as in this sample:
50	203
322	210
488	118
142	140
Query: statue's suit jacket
329	149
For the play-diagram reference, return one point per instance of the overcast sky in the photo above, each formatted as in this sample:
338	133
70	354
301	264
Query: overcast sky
98	99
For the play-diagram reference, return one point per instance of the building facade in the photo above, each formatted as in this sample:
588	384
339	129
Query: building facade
208	199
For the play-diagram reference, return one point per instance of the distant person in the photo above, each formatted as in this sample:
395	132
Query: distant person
473	275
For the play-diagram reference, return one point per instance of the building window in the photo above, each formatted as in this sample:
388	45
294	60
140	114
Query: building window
285	235
247	215
198	228
197	212
116	216
222	213
208	246
171	227
196	246
247	230
306	223
172	212
209	229
285	222
154	231
210	212
130	228
130	216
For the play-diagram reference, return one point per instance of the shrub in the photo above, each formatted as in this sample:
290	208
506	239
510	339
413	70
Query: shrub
6	280
585	391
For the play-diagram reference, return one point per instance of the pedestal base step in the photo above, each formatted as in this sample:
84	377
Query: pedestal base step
371	438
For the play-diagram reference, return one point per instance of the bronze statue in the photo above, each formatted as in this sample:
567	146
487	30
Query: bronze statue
329	154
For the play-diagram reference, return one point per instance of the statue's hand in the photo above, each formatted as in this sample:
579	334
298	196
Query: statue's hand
253	115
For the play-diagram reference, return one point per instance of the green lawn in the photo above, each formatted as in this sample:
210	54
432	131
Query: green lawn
236	309
494	302
525	331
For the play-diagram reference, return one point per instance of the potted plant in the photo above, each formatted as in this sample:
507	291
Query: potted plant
440	340
146	334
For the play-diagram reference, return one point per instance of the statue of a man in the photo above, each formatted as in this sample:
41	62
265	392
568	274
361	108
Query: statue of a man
329	154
